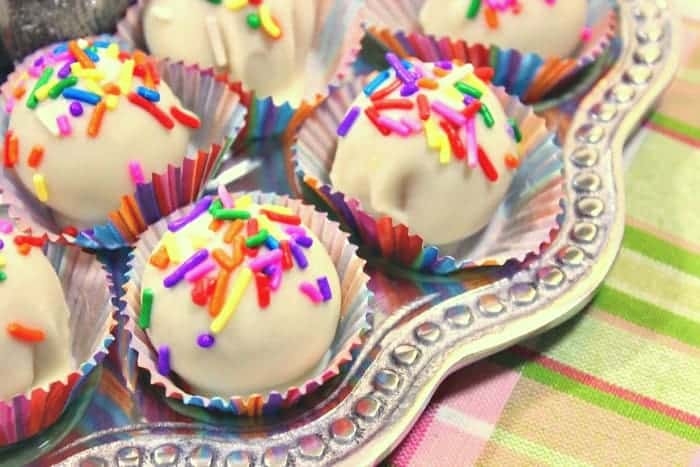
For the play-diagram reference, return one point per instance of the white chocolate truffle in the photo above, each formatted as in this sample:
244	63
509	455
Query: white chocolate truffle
414	174
270	61
257	349
80	176
550	29
34	334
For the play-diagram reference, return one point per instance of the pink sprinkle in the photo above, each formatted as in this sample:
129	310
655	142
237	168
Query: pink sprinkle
193	275
64	125
448	113
311	291
63	56
412	124
472	149
9	105
395	126
260	263
5	227
225	197
294	230
35	71
276	279
586	34
136	173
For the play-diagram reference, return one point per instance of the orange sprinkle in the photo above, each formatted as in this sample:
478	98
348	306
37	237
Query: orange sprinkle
12	150
19	91
111	88
512	162
427	83
36	156
439	72
238	244
96	119
25	333
491	17
215	225
153	71
79	55
160	258
24	249
233	229
224	260
217	300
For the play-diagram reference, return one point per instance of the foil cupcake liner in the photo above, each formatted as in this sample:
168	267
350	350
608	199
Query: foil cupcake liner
332	55
222	115
525	223
354	321
393	25
92	320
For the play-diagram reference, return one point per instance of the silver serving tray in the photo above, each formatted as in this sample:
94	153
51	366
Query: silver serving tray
426	328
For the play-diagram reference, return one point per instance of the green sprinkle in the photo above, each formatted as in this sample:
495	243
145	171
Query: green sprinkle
473	9
253	21
3	276
464	88
58	88
517	134
257	239
231	214
215	2
32	101
215	206
146	308
486	114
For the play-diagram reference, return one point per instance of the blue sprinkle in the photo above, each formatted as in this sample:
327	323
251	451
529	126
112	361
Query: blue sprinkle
82	96
376	82
102	44
92	54
271	243
60	49
148	94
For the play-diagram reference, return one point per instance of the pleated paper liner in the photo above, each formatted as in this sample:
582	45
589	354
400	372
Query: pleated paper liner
525	223
92	322
393	25
336	46
354	321
222	116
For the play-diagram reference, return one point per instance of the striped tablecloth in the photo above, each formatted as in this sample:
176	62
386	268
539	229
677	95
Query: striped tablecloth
620	383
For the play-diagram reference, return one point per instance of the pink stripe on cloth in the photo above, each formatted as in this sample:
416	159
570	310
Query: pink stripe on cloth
480	391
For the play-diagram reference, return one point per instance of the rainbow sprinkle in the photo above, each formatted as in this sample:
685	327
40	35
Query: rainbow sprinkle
448	122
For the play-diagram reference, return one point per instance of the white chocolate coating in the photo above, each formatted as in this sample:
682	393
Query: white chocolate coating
85	176
548	30
179	29
31	296
403	178
259	349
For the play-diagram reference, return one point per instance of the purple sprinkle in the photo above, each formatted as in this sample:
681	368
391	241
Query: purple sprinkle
294	231
275	274
325	288
76	109
39	61
65	70
164	360
348	121
304	241
193	261
444	64
198	209
206	341
2	244
299	256
401	71
409	89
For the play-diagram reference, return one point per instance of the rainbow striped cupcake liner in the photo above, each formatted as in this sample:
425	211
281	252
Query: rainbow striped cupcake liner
332	56
222	114
350	335
526	222
92	321
393	25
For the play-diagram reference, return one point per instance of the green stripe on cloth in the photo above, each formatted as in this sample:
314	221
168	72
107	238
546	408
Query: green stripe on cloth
598	398
647	315
677	126
662	251
533	450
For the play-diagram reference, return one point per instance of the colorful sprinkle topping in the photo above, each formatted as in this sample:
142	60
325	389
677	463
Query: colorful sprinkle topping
260	244
85	79
443	103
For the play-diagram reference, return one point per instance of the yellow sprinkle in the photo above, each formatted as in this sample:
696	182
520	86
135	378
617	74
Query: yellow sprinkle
77	69
92	86
3	261
243	202
112	51
235	4
171	247
268	23
445	149
40	188
43	92
432	133
271	227
199	241
125	76
454	94
278	209
239	287
82	43
473	81
97	75
112	102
